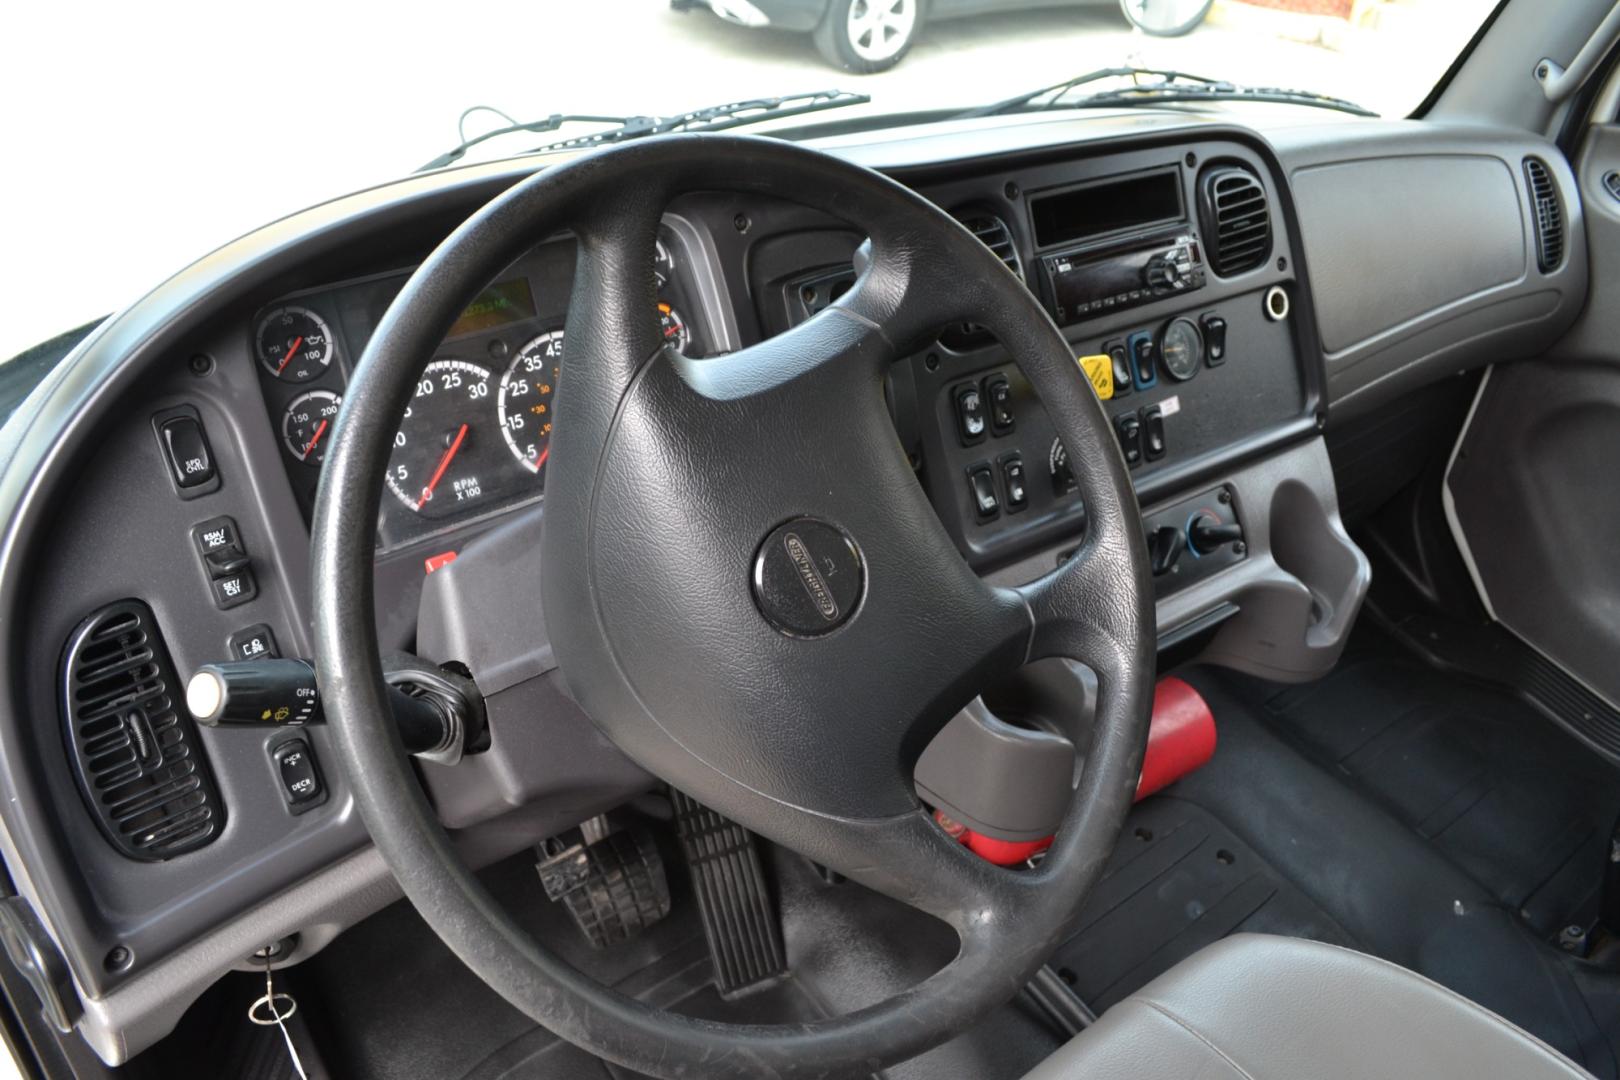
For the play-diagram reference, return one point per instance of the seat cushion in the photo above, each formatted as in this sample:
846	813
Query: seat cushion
1254	1007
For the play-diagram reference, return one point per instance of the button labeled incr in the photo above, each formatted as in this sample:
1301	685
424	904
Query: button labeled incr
300	777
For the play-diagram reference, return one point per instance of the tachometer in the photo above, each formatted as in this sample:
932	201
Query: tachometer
294	343
307	424
524	403
446	457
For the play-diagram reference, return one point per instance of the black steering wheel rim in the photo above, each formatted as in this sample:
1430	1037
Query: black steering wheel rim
725	706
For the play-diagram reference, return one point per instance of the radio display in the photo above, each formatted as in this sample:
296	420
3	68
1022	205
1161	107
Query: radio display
1113	206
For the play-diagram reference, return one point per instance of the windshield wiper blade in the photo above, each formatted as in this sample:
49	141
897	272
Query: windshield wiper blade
1220	92
713	118
550	123
716	117
1168	86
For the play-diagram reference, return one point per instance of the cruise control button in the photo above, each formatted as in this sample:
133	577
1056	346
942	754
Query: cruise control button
234	589
970	414
982	484
295	767
190	460
1122	367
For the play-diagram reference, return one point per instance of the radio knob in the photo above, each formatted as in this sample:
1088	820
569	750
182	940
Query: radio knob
1160	273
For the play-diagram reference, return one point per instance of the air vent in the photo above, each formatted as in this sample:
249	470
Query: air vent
1235	219
1549	214
135	753
993	234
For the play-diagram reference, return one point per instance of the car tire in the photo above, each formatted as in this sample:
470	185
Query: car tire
1184	25
843	44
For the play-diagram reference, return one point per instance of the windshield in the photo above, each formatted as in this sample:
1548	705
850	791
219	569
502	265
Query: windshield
142	137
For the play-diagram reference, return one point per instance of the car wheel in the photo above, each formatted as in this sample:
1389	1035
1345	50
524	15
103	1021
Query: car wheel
868	36
1166	18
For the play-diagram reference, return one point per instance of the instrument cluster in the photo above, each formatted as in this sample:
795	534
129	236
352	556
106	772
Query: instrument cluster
476	434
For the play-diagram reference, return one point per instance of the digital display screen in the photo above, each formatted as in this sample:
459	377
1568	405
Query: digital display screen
502	304
1085	212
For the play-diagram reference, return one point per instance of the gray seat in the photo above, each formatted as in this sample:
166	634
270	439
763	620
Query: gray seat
1254	1007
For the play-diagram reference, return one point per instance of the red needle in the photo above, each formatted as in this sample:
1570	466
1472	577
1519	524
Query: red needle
315	438
541	460
293	348
444	463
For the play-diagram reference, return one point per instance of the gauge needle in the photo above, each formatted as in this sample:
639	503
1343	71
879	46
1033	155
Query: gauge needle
315	438
291	349
444	463
541	460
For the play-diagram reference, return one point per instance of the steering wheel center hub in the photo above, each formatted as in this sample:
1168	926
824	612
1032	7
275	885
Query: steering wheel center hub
809	577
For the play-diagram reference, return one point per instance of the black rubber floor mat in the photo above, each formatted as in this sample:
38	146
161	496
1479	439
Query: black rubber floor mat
1179	880
1517	804
1344	841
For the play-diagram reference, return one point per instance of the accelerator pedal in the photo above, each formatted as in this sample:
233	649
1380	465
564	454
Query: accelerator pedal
740	919
612	884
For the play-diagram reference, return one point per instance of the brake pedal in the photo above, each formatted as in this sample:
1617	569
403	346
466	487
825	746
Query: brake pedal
740	919
612	884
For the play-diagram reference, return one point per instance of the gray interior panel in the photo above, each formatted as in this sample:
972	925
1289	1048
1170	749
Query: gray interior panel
1452	225
1419	243
1544	440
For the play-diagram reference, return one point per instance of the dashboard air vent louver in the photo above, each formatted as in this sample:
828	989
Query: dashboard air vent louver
993	233
1549	216
1235	218
133	749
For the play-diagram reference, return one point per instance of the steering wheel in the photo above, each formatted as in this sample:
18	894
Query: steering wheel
749	593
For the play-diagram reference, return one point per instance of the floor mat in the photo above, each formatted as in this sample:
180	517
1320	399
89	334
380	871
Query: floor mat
1179	880
1520	807
1375	792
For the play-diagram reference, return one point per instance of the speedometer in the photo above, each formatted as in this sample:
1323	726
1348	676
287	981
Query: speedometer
524	403
447	459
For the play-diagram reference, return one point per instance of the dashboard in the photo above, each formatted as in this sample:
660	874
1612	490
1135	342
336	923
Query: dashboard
1208	276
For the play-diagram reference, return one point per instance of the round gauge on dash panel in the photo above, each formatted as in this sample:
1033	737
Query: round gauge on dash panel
1181	349
447	459
307	425
663	263
294	343
674	328
524	405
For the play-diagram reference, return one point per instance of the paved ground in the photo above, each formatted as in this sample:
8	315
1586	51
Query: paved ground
137	148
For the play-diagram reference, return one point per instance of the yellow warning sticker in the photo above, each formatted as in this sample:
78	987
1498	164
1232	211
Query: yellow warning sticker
1100	370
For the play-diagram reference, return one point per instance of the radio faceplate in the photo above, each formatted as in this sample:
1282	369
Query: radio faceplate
1083	282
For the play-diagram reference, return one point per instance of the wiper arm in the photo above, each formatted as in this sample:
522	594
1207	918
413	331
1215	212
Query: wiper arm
1126	95
550	123
1057	90
714	118
1168	86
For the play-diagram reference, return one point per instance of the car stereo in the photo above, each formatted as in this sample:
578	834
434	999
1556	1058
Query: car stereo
1084	282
